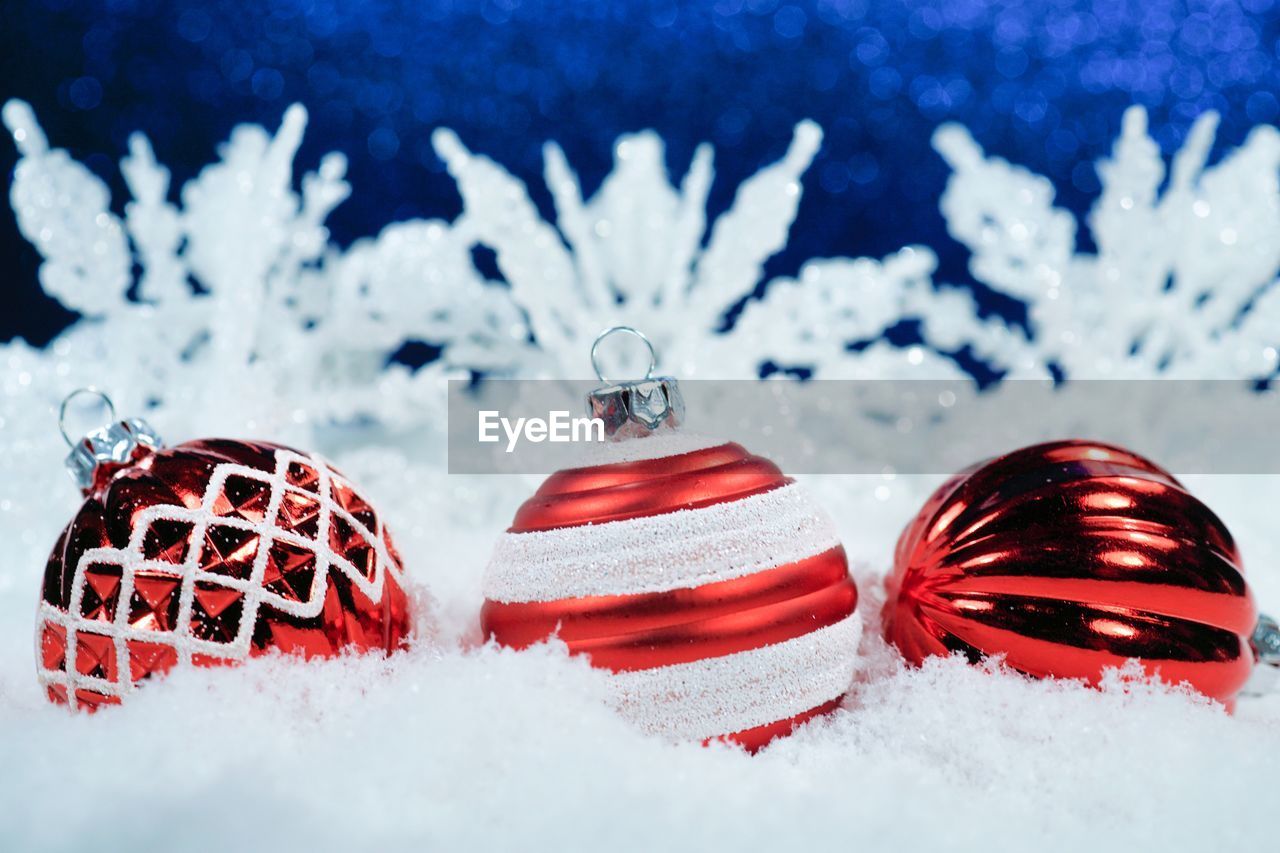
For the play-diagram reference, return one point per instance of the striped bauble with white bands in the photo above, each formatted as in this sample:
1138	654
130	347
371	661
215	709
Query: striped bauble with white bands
708	582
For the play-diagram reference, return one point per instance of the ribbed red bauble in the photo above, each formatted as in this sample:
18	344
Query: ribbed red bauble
707	582
207	553
1068	558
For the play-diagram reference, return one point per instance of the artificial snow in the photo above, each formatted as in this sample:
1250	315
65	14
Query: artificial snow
453	745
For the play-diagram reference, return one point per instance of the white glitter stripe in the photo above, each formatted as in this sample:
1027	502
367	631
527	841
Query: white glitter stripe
678	550
719	696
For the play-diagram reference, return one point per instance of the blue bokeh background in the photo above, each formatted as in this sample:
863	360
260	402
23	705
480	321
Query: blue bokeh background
1041	83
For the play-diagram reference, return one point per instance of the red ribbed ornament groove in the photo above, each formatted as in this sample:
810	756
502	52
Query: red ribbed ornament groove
161	557
1068	558
645	630
625	490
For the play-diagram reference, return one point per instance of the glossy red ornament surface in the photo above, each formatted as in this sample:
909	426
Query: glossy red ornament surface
647	630
646	487
630	632
1068	558
207	553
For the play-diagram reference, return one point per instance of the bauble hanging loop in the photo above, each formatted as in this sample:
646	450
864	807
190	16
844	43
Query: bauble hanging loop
634	407
1266	641
628	330
1266	651
101	452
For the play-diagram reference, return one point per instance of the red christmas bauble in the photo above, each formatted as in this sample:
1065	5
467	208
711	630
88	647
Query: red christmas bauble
1068	558
707	582
210	552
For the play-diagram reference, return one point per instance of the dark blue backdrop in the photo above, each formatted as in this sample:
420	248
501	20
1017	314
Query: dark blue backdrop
1042	83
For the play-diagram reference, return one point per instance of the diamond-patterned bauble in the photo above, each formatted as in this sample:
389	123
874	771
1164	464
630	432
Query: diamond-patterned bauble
704	579
1068	558
207	553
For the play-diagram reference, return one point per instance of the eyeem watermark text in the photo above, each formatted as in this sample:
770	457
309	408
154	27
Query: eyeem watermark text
557	427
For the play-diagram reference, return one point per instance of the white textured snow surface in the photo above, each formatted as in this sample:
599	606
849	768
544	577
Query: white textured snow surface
456	746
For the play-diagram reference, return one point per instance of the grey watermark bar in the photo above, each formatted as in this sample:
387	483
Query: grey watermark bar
885	426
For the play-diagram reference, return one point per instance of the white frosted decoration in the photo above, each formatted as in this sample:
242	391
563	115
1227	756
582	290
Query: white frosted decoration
280	335
498	213
635	257
256	594
63	209
809	321
417	279
711	697
155	225
753	229
659	553
1184	280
